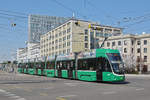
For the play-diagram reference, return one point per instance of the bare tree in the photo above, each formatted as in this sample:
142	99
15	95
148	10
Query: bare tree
129	62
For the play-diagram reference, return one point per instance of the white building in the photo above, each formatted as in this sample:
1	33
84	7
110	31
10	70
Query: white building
135	49
33	51
22	54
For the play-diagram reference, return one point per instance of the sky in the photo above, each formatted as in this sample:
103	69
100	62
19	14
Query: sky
132	15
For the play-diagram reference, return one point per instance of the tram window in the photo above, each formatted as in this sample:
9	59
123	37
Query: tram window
42	64
50	65
106	66
59	65
64	65
91	64
72	64
103	65
86	64
100	64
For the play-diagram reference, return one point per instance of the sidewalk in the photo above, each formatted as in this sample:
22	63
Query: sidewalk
138	75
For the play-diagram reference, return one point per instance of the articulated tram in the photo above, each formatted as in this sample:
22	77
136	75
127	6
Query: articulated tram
99	65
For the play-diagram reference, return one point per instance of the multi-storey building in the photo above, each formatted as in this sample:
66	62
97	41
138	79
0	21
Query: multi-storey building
22	54
74	36
38	24
33	51
135	49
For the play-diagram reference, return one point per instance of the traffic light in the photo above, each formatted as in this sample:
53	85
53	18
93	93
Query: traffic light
13	24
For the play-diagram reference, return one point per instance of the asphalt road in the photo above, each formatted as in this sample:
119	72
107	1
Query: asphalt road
27	87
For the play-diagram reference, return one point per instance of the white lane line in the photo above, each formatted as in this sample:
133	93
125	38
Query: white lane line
3	91
21	99
48	88
15	97
67	96
10	95
111	92
139	89
71	84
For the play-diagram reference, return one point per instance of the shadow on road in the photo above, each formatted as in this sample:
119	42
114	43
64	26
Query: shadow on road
27	81
120	83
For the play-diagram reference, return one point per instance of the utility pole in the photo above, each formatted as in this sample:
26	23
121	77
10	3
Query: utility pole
76	63
55	65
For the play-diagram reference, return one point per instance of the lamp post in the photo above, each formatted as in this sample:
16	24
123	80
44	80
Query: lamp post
76	63
55	65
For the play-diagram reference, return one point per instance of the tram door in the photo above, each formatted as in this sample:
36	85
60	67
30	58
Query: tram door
99	68
59	66
70	67
70	72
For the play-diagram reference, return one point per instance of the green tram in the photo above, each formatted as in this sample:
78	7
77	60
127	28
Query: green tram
100	65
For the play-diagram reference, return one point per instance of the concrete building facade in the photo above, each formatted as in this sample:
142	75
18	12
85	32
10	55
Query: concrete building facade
22	54
33	51
74	36
135	50
39	24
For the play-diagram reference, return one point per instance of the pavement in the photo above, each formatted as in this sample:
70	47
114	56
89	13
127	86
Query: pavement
138	75
29	87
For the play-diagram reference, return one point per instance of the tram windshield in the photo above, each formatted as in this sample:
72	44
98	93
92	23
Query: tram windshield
116	62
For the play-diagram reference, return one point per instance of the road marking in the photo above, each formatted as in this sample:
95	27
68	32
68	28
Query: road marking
139	89
68	96
15	97
21	99
71	84
1	90
111	92
48	88
28	90
43	94
10	95
59	98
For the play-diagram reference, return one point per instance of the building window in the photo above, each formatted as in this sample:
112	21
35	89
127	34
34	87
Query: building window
145	42
138	59
138	50
138	42
125	50
113	43
56	41
68	43
125	42
86	45
145	58
132	50
119	43
68	37
145	50
86	38
64	38
68	51
60	34
64	32
64	45
68	30
64	51
132	42
56	47
86	32
56	35
108	44
60	40
59	46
